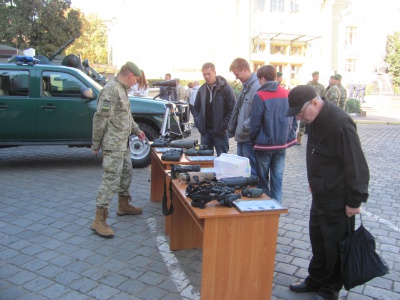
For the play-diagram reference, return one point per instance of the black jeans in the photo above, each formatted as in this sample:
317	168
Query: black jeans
219	141
327	228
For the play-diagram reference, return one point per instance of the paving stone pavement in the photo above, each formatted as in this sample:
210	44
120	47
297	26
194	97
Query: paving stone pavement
47	251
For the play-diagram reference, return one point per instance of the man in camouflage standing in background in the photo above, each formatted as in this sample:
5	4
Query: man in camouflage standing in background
112	126
320	90
332	92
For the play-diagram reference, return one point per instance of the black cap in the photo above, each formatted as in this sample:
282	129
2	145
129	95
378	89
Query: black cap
279	74
297	97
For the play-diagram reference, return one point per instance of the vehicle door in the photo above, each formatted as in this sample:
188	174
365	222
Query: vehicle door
17	119
61	113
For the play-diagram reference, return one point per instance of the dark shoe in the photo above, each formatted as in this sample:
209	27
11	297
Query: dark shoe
302	287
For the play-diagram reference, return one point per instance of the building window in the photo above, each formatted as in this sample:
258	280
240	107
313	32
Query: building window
296	51
257	65
294	75
350	65
350	35
277	5
260	4
279	68
278	49
294	6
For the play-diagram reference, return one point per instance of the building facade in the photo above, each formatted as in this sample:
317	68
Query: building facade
296	36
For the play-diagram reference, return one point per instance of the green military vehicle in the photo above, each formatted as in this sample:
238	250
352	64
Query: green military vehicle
54	105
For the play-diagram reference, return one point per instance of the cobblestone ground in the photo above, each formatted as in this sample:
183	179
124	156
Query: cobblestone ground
47	251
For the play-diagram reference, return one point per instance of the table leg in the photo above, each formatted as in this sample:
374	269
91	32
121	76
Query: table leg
185	233
157	179
239	257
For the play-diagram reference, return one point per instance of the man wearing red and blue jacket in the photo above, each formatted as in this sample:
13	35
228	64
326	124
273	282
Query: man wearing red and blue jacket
271	131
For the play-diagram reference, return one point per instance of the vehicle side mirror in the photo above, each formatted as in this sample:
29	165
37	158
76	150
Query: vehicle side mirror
87	93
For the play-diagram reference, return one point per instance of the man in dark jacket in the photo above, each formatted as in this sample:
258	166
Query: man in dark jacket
338	177
271	131
212	110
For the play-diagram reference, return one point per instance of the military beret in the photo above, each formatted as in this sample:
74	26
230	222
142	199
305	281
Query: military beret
133	68
297	97
315	73
335	77
279	74
339	76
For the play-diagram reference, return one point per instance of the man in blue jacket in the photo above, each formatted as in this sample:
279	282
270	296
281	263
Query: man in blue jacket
271	131
212	110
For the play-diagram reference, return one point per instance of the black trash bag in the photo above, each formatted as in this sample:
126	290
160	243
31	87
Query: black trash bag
359	261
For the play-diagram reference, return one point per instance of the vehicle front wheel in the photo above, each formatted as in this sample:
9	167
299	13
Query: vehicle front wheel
140	150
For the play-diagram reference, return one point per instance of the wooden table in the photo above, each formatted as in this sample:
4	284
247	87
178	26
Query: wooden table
159	170
238	248
158	167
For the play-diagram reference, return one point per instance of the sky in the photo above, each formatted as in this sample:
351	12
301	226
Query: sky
106	9
158	34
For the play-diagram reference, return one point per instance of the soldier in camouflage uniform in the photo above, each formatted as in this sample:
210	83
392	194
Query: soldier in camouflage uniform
332	92
318	87
343	93
112	126
320	90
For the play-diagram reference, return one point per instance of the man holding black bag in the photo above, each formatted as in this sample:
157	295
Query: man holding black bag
338	177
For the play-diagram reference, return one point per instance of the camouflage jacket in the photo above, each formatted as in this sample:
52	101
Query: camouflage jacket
343	95
181	93
113	122
319	88
332	94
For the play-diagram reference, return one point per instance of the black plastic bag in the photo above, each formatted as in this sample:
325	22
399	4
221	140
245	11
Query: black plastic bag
359	261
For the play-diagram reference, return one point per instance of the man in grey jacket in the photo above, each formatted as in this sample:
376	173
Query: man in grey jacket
240	119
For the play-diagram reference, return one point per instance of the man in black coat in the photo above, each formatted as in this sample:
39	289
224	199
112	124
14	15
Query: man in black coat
338	177
212	110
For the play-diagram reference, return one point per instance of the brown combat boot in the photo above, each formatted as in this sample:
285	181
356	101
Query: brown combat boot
299	139
124	208
99	224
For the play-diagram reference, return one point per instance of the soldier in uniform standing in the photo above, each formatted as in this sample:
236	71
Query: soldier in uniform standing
318	87
343	92
320	90
332	92
112	126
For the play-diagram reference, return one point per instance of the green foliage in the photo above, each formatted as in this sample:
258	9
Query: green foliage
92	44
44	25
353	106
393	57
236	85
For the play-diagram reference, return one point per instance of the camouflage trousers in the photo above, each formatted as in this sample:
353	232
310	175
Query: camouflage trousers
117	177
302	128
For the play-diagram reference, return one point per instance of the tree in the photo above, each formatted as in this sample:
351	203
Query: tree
393	57
92	44
44	25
